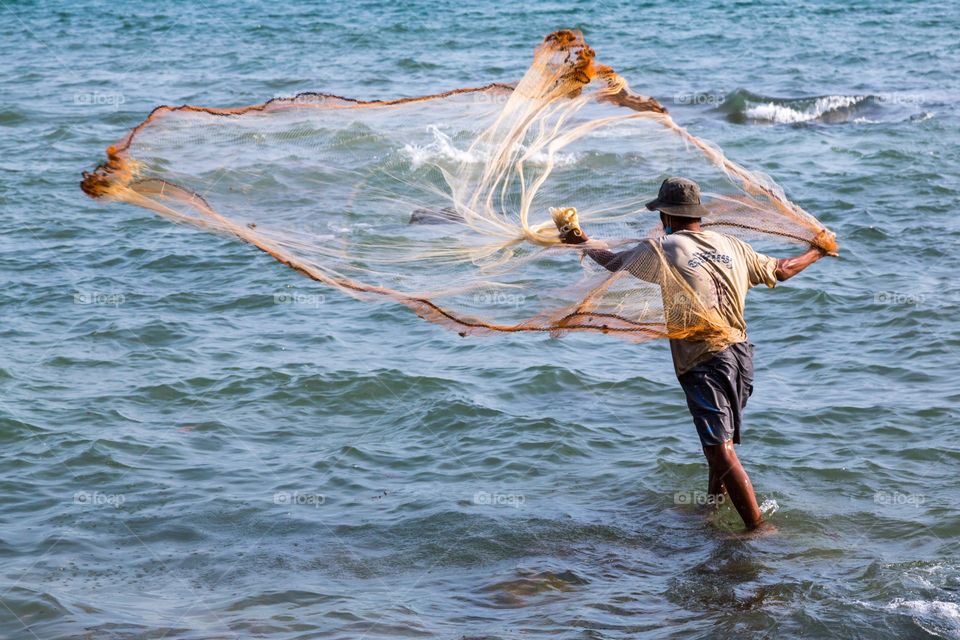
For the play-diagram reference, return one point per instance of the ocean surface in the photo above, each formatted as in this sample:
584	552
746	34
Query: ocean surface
184	459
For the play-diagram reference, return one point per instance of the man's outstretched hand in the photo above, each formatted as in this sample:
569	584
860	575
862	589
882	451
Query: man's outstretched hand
823	244
826	242
568	225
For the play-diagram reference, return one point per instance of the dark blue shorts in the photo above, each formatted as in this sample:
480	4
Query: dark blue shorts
717	391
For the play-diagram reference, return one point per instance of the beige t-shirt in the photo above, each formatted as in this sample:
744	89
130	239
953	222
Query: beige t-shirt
720	269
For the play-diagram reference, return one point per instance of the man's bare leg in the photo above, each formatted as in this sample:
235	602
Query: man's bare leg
715	489
725	465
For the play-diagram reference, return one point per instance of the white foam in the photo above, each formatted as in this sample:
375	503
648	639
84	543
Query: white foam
781	114
443	148
928	577
945	615
769	507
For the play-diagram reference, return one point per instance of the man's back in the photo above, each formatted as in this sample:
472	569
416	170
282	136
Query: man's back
719	269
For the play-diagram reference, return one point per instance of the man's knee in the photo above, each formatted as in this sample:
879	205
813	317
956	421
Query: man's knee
720	456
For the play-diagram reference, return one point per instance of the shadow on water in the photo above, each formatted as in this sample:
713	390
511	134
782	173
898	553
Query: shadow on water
726	580
529	586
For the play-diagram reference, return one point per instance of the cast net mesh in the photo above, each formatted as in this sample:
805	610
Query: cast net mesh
441	202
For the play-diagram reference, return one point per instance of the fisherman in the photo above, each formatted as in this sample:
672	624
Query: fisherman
717	378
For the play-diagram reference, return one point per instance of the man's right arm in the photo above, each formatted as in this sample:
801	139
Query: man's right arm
630	260
607	259
570	233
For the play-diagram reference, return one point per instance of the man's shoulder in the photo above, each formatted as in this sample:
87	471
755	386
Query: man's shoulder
733	241
725	236
706	237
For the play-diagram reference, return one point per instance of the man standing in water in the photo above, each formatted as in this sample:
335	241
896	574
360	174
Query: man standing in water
717	380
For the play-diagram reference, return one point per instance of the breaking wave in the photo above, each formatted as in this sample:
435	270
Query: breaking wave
742	106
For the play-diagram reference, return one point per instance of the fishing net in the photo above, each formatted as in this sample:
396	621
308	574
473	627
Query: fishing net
441	203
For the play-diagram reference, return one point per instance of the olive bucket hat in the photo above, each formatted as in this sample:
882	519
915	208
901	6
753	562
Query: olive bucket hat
679	197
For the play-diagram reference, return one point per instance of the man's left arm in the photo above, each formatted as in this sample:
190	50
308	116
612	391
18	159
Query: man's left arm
789	267
763	269
823	245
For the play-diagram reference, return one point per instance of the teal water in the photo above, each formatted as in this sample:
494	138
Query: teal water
183	458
